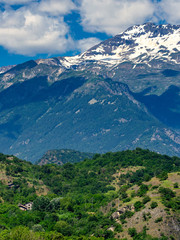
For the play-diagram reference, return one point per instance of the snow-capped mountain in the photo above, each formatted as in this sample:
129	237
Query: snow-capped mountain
140	49
122	93
147	50
138	44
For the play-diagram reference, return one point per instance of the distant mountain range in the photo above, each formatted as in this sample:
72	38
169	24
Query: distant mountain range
121	94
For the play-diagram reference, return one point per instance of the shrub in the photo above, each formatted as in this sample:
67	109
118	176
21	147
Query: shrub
142	190
146	199
127	199
167	193
138	205
158	220
118	228
154	205
126	214
132	232
37	228
163	175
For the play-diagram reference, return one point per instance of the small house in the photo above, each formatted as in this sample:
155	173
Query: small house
25	207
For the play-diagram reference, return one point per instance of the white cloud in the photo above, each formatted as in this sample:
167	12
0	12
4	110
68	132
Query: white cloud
56	7
28	33
86	43
170	11
16	2
113	16
37	27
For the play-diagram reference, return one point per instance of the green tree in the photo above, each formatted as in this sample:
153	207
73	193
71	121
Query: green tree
63	227
167	193
154	205
146	199
132	232
22	233
41	204
138	205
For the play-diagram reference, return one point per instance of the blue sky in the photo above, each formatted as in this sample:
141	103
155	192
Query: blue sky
32	29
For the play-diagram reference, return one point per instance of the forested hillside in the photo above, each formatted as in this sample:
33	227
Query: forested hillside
122	195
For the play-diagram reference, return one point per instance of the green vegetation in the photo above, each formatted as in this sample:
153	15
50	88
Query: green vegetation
79	201
146	199
138	205
154	205
176	185
158	220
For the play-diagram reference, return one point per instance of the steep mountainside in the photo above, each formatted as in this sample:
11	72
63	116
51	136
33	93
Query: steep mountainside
63	156
122	195
6	68
122	93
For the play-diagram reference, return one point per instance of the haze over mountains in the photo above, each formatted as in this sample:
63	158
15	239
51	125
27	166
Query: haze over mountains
121	94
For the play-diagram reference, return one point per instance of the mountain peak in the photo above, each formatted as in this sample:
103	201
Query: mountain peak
151	28
138	44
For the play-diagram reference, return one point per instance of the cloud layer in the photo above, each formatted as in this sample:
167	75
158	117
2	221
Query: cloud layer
28	32
38	26
113	16
86	43
16	2
56	7
170	11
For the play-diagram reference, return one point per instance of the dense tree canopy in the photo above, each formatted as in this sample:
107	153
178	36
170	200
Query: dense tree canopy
68	200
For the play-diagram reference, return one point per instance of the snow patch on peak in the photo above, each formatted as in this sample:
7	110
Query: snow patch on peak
100	49
134	30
